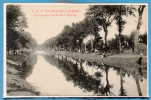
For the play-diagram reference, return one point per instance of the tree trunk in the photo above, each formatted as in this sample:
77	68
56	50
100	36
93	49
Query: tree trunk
119	40
120	28
140	13
92	45
85	48
106	34
95	41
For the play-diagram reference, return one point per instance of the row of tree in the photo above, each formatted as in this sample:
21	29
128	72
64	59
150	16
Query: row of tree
98	17
71	38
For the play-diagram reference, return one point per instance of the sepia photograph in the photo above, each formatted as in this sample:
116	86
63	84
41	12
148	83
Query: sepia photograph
75	50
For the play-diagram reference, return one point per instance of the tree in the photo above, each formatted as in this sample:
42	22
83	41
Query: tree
119	12
106	14
91	29
87	27
71	37
103	15
15	23
140	11
17	38
16	20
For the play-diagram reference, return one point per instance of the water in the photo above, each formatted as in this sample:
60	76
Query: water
64	76
50	81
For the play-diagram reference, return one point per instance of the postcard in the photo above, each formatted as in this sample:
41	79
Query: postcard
75	50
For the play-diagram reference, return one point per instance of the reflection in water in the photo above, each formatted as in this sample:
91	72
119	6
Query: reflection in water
108	86
122	90
27	66
61	75
137	74
50	81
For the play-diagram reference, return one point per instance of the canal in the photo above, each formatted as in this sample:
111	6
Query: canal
58	75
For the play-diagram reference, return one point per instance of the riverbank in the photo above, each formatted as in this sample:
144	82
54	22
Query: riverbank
126	61
18	68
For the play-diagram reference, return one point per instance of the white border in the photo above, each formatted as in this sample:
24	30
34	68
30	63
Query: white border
4	51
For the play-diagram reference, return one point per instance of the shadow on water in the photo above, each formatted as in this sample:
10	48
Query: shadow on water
102	80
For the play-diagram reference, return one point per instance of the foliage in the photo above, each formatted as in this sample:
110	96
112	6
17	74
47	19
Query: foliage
106	14
17	38
16	20
97	17
72	36
103	15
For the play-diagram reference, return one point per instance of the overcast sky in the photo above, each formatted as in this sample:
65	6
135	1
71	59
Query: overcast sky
45	27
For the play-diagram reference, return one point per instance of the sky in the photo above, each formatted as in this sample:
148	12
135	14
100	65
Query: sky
48	20
45	27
